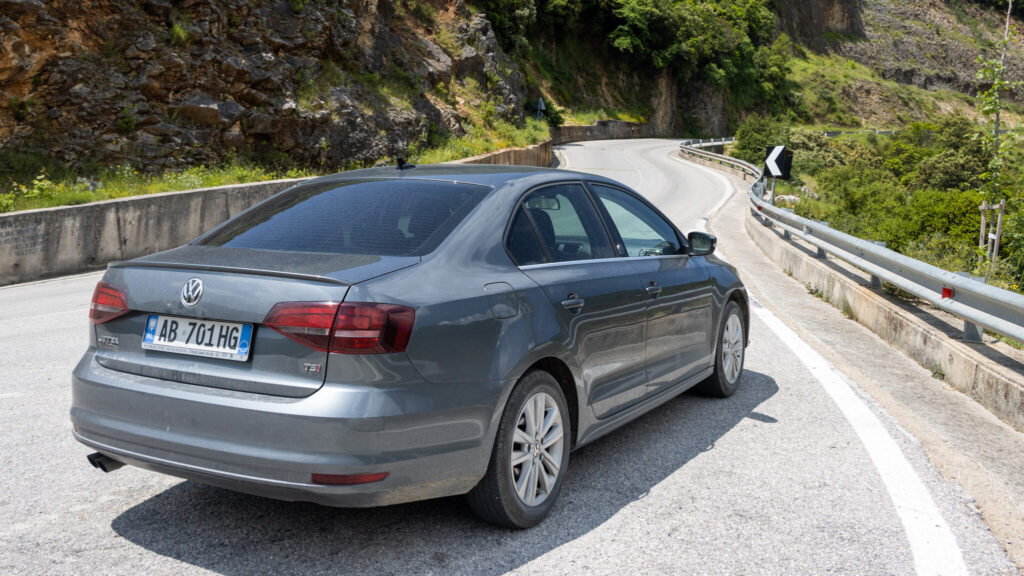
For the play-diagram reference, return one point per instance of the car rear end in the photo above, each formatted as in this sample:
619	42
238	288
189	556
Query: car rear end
238	361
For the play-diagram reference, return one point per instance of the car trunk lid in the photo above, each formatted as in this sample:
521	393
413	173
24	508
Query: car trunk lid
239	287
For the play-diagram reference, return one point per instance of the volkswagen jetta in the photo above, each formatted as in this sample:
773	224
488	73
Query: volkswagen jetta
388	335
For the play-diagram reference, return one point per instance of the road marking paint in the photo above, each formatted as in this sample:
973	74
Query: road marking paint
9	395
932	543
726	183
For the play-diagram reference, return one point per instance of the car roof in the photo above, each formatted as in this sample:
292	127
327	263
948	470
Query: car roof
492	175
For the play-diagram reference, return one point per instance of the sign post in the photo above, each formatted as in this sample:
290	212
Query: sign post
778	163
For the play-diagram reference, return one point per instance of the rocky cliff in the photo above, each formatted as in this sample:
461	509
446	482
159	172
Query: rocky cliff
161	84
932	44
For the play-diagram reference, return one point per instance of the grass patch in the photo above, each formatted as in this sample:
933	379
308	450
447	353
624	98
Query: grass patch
479	139
63	188
587	117
839	93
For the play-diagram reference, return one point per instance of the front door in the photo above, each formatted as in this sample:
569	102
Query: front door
679	300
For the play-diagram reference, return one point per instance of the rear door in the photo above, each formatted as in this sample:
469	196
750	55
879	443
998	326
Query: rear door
560	242
678	294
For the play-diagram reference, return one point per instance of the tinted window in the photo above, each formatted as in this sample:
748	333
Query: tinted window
643	231
523	244
383	217
565	224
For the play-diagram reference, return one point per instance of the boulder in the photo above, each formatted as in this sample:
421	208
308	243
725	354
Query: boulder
229	112
201	111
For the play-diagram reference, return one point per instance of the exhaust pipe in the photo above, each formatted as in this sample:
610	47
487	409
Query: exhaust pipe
103	462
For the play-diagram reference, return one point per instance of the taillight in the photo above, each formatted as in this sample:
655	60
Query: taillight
347	328
367	328
108	302
308	323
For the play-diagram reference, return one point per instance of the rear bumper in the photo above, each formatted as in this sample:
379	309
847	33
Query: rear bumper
433	440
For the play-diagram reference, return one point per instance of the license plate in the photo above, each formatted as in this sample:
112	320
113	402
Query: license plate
224	340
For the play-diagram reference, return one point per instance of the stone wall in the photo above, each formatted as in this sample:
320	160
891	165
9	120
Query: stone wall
601	130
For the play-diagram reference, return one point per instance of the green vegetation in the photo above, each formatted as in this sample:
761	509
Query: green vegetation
836	92
62	187
479	139
729	44
179	31
918	190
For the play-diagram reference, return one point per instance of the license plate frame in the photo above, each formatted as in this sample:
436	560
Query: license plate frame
198	337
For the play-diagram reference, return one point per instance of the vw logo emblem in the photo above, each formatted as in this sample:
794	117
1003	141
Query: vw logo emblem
191	292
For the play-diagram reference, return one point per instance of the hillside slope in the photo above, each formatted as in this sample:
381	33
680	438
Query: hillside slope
163	84
167	84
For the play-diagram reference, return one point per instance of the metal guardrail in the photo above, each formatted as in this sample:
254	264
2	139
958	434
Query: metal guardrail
1000	311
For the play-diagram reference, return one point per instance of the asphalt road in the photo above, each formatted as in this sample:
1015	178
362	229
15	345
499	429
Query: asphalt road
799	473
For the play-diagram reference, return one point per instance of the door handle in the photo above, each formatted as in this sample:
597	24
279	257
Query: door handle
573	303
653	289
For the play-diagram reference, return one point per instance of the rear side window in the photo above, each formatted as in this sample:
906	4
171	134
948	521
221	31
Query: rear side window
379	217
557	224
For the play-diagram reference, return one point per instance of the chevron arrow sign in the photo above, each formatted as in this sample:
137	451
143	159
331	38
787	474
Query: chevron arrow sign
779	162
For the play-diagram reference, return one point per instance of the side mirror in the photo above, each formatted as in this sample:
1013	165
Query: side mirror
701	244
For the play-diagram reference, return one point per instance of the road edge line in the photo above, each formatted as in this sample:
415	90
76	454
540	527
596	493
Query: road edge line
932	543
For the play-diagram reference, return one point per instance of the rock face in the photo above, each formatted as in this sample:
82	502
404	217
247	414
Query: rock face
932	44
812	22
164	83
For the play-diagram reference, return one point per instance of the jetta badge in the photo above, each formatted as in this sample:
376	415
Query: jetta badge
191	292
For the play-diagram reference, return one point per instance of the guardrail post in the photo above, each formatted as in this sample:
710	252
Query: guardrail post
876	282
821	251
972	332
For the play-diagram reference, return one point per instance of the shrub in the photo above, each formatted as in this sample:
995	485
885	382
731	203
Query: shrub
756	133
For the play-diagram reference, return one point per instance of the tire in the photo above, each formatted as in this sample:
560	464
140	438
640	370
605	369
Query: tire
729	355
496	498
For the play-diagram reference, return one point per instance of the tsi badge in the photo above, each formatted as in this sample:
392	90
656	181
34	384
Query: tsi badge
311	368
191	292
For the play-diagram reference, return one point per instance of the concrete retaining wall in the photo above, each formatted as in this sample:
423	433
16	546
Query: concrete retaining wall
38	244
601	130
536	155
997	388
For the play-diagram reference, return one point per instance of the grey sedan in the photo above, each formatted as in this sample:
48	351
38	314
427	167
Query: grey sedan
388	335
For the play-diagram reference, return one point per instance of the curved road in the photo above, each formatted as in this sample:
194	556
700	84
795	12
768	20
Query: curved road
798	473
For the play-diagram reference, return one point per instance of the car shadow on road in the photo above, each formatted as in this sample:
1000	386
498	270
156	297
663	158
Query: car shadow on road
237	534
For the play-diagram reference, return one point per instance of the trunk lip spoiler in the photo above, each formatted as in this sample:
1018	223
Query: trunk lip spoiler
232	269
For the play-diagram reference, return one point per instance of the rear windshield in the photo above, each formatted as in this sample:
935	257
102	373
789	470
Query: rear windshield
380	217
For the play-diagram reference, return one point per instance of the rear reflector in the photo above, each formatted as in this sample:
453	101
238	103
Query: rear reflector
108	302
347	328
348	479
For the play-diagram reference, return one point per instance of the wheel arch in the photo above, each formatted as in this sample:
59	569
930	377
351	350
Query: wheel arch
561	372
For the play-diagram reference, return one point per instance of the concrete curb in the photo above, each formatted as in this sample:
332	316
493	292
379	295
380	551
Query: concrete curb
996	387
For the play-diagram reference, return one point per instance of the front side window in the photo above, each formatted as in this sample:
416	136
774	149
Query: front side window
643	231
557	224
379	217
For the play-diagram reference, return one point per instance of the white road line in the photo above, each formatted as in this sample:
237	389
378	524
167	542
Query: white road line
932	544
726	183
